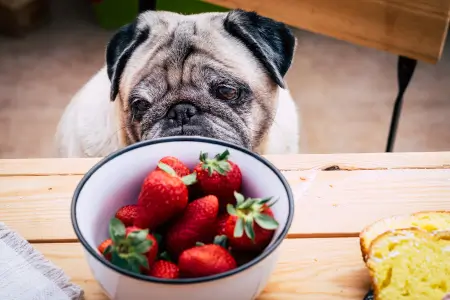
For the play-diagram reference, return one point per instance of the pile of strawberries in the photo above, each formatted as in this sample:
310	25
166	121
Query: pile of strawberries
189	224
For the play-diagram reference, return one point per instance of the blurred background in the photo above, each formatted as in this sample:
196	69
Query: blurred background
345	93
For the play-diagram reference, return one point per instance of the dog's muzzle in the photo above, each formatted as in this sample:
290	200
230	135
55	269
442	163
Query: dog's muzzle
181	114
184	119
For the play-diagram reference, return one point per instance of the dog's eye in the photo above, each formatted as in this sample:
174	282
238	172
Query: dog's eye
139	108
226	92
140	105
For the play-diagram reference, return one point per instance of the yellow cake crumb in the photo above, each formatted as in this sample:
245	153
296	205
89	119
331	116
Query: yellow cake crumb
430	221
410	264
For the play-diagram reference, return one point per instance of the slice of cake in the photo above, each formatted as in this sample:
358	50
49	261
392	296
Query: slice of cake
410	264
430	221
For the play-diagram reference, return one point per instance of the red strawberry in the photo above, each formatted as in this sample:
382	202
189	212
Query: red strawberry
164	269
193	226
219	176
153	251
132	248
220	224
205	260
127	214
103	246
177	165
254	217
163	196
217	229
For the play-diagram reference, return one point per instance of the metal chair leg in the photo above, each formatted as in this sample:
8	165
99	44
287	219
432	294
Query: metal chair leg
405	71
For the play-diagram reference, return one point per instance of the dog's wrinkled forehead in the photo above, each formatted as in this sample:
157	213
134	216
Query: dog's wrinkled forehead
174	38
256	49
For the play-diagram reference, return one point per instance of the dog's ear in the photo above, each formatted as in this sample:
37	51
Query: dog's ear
271	42
119	50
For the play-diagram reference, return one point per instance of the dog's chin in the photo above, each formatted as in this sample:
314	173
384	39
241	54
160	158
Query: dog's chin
196	130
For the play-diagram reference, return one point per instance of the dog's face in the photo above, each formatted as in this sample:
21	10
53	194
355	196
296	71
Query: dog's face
214	75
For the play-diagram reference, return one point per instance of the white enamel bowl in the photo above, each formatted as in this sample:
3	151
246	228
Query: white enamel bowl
115	181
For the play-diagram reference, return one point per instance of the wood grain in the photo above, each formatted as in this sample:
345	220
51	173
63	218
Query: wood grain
45	166
294	162
412	28
334	203
38	207
308	268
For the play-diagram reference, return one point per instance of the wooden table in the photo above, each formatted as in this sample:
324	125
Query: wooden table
320	258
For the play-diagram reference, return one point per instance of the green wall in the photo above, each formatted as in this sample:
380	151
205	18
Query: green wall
188	6
111	14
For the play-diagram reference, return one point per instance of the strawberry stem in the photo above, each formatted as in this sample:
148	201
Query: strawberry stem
217	164
128	251
248	211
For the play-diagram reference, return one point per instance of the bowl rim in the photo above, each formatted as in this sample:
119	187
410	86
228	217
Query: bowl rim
182	281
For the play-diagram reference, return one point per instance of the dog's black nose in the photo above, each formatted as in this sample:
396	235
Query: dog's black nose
182	113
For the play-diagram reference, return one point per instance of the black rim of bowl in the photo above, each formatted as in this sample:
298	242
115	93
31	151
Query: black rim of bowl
239	269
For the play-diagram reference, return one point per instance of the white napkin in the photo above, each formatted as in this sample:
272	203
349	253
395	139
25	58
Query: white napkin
25	274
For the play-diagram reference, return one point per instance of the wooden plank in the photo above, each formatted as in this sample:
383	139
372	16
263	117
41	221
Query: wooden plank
70	257
38	207
412	28
361	161
337	203
45	166
294	162
308	268
342	203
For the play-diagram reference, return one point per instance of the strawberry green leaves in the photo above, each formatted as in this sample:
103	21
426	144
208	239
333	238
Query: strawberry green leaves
217	164
132	262
187	180
166	168
248	212
116	230
239	198
266	222
221	240
165	256
239	228
249	231
128	251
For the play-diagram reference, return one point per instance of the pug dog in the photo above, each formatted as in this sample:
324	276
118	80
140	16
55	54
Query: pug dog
217	75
